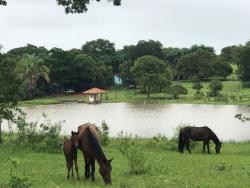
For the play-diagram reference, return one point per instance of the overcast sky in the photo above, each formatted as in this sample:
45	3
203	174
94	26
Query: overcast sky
176	23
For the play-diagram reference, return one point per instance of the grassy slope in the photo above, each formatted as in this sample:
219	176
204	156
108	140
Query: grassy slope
169	169
232	88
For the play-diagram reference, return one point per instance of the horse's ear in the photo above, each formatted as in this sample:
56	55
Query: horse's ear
110	160
72	133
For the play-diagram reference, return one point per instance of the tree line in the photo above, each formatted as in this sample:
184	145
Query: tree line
147	65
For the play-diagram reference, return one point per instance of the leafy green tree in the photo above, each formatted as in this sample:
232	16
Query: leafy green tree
172	55
9	89
215	86
244	64
222	68
133	52
103	51
231	54
18	53
33	69
129	52
3	2
80	6
150	72
199	63
195	48
176	90
149	47
73	6
126	75
76	70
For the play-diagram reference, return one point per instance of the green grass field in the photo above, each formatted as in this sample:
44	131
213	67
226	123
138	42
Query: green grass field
231	168
231	88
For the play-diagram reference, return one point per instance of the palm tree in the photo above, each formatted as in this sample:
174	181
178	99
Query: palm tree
33	69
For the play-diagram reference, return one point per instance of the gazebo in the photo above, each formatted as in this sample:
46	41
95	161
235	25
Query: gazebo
94	95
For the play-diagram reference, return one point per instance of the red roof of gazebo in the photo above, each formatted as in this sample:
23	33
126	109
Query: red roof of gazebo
94	91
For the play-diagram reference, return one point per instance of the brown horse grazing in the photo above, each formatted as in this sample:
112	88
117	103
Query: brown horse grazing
89	144
70	152
204	134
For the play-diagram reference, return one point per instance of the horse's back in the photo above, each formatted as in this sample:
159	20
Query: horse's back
84	141
83	131
196	133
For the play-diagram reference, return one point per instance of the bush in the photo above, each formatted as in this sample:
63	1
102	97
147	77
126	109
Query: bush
16	180
134	154
246	84
39	137
104	131
215	86
176	90
159	141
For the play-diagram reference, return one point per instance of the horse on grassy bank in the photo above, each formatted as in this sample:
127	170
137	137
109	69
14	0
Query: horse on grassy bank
89	144
70	152
204	134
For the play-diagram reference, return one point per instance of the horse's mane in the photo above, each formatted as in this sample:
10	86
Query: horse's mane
96	146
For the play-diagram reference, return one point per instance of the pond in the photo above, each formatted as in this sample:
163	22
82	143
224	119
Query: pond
147	120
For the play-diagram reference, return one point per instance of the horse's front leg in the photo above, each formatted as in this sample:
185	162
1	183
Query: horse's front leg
204	146
208	149
76	168
72	170
68	168
187	146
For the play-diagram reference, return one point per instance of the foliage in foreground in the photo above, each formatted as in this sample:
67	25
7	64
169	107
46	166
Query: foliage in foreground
134	154
104	132
168	168
43	136
18	180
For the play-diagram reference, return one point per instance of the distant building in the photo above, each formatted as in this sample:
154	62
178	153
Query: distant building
117	79
94	95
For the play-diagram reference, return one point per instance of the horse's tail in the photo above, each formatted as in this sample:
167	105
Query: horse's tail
181	142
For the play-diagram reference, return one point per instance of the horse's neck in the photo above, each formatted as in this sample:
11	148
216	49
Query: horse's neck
98	152
215	139
100	159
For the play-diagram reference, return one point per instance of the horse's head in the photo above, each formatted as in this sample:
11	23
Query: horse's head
218	147
74	139
105	171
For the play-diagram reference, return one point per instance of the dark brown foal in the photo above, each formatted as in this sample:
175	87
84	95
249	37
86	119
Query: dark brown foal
70	153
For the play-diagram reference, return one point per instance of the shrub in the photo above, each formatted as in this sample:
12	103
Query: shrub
104	131
197	86
18	180
159	141
246	84
176	90
134	154
43	136
215	86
